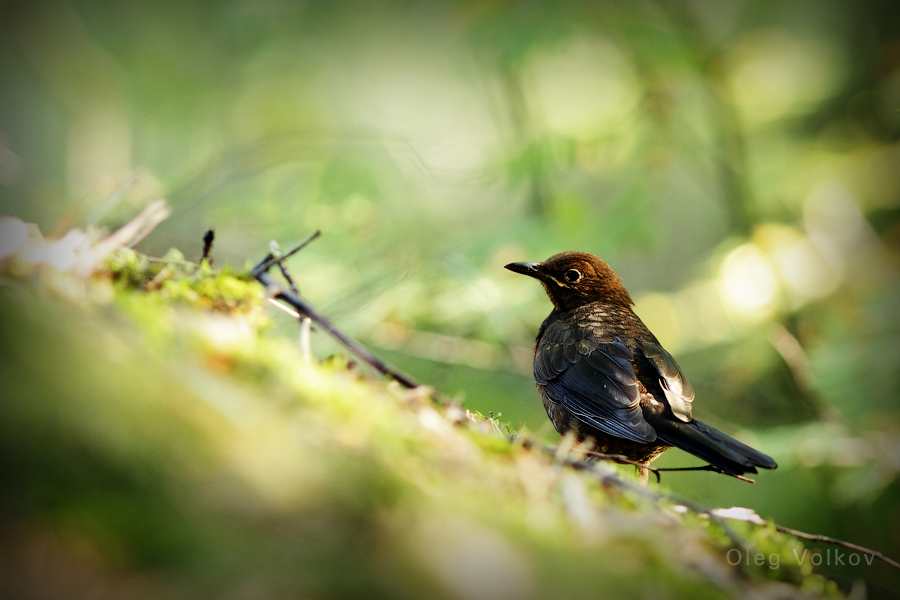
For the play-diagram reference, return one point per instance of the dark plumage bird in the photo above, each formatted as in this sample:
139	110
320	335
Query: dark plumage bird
603	374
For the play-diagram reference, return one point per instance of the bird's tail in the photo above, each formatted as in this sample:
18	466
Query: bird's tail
710	444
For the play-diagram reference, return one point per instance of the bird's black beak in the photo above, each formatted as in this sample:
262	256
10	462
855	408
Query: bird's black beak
525	268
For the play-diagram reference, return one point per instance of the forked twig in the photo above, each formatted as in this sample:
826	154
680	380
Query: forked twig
271	260
305	321
277	291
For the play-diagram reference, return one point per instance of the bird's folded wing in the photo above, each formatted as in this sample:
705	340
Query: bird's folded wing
593	380
678	391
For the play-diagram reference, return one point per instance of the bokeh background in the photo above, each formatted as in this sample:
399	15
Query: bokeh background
737	163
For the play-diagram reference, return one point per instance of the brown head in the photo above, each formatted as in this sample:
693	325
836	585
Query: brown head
576	278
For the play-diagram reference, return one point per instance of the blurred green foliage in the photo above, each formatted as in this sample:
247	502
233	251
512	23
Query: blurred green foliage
736	163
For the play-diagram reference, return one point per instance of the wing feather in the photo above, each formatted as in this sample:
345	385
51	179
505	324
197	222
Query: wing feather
678	391
593	379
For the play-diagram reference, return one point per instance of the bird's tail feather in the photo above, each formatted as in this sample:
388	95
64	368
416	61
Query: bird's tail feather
710	444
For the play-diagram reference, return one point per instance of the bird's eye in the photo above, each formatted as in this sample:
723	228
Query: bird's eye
572	276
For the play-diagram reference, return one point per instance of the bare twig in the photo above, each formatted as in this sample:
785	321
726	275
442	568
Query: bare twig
287	277
657	470
285	308
270	260
305	322
712	468
815	537
277	291
618	458
627	461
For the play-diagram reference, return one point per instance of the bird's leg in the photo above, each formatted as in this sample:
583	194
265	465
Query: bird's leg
643	473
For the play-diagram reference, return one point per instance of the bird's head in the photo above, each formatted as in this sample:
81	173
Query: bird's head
576	278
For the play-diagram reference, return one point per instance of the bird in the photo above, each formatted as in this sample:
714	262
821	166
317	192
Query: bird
605	377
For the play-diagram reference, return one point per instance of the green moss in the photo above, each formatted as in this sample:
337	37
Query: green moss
196	285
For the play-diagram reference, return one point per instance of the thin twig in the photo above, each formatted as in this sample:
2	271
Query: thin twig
287	277
303	339
303	307
277	291
627	461
749	516
495	422
658	470
712	468
285	308
270	260
815	537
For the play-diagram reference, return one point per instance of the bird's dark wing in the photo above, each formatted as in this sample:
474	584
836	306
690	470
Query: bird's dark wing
678	391
594	380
